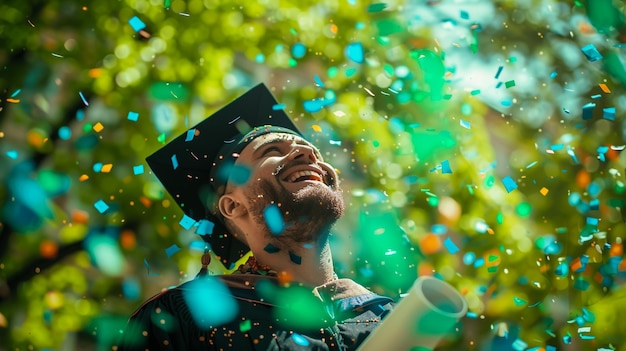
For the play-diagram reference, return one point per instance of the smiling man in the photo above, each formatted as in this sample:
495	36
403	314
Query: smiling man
251	182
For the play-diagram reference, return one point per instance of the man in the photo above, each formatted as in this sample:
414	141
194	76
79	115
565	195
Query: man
252	182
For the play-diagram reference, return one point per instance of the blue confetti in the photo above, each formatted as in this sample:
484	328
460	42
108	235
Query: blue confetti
133	116
465	124
187	222
278	107
259	58
439	229
105	253
97	167
174	162
464	14
298	50
299	339
190	134
509	184
12	154
172	250
205	227
450	246
469	258
588	110
553	75
314	105
131	289
609	113
274	219
212	302
445	167
82	97
354	51
16	93
591	53
499	71
136	23
199	245
318	81
65	133
271	248
101	206
138	169
236	174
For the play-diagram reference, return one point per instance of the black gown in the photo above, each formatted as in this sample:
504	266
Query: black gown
336	316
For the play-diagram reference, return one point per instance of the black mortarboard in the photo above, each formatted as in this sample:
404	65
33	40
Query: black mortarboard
187	166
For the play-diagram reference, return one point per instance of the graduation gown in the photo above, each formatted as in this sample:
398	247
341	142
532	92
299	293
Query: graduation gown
336	316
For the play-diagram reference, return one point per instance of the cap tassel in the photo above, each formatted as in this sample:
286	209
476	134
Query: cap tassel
206	259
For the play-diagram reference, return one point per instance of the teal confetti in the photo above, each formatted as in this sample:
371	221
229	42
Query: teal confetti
464	14
172	250
12	154
466	124
591	53
101	206
298	50
439	229
16	93
588	110
137	170
174	162
299	340
131	289
212	302
187	222
259	58
105	253
475	92
278	107
190	134
450	246
274	219
133	116
136	23
609	113
377	7
518	301
314	105
65	133
318	81
445	167
553	75
97	167
509	84
82	97
354	51
509	184
205	227
237	174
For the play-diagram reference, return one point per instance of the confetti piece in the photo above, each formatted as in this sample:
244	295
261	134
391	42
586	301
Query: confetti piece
591	53
205	227
354	51
445	167
237	174
12	154
105	253
190	134
465	124
57	55
270	248
245	326
518	302
136	23
16	93
172	250
106	168
212	301
509	84
318	81
314	105
274	219
138	169
316	128
174	162
509	184
475	92
464	14
187	222
131	289
299	340
133	116
450	246
298	50
65	133
101	206
544	191
377	7
553	75
98	127
82	97
609	113
83	177
605	88
295	258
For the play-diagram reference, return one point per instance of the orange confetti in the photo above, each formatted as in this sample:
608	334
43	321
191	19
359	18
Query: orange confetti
83	177
544	191
145	201
430	244
98	127
95	72
285	278
15	101
605	88
334	29
79	216
583	178
106	168
425	269
617	250
576	265
3	321
128	239
48	249
317	128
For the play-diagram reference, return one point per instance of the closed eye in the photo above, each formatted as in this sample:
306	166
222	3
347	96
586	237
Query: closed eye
271	149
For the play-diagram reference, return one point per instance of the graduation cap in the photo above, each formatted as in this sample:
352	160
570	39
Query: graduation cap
189	166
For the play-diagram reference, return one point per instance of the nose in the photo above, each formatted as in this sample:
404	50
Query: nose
304	152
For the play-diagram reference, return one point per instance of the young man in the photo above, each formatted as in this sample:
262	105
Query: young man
253	183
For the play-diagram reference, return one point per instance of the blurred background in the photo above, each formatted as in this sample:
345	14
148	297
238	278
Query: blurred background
477	141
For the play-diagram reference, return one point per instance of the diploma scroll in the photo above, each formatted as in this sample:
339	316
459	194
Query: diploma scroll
421	318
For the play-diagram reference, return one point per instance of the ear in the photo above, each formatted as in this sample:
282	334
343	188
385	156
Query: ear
230	208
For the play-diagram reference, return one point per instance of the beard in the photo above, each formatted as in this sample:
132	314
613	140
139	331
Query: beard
308	214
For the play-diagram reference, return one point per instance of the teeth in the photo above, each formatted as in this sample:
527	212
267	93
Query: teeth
300	174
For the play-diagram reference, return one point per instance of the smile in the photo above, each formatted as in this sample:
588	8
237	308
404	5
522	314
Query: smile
299	176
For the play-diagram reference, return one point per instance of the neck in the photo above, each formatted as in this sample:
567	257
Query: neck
309	264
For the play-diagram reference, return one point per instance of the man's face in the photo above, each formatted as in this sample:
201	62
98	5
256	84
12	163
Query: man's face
288	172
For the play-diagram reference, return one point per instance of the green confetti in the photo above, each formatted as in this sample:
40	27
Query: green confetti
376	7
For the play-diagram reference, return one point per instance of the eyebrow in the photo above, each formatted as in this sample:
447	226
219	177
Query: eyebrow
276	140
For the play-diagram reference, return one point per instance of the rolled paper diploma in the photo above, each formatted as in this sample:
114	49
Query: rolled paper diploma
421	318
